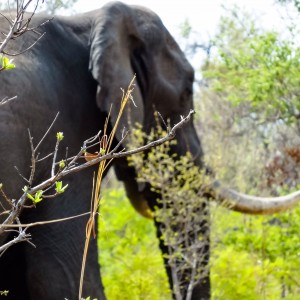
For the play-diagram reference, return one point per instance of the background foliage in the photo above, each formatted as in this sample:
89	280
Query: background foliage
252	257
131	261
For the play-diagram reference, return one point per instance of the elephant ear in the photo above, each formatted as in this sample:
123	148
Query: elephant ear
114	38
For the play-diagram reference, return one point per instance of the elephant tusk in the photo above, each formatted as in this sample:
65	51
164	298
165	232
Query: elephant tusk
137	199
252	204
142	207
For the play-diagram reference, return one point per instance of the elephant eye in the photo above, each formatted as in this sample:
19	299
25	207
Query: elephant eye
186	96
188	92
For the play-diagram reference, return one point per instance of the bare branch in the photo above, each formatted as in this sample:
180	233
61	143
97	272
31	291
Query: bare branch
21	237
6	100
33	160
46	222
47	132
19	25
25	50
21	175
54	157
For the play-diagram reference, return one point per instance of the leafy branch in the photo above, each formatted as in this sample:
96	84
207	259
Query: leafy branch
18	26
38	192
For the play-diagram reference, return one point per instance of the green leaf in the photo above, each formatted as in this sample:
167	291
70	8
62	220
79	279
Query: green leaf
59	188
37	196
30	197
6	63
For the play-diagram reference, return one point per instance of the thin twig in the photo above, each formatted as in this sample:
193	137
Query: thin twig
21	175
54	157
33	160
26	49
47	132
45	222
4	196
6	100
45	157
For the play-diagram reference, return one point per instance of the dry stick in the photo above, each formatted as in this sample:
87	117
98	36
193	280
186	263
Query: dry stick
46	133
22	238
106	146
45	222
54	157
6	100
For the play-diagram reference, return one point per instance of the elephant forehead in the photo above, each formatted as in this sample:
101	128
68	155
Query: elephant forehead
152	34
149	24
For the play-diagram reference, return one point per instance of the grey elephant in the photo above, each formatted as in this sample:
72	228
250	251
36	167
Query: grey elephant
78	68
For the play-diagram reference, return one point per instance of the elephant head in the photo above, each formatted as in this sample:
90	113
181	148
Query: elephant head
78	69
133	40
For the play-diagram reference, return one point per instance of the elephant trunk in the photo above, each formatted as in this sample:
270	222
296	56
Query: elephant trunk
252	204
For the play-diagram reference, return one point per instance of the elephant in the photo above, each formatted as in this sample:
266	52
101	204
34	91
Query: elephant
78	68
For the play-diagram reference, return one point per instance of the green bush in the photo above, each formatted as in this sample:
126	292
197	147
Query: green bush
252	257
255	257
131	262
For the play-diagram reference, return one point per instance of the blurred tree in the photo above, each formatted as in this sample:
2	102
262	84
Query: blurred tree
257	69
250	111
296	3
50	6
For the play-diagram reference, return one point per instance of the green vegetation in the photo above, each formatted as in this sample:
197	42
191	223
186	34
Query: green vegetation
252	258
181	212
6	63
256	68
255	257
250	112
130	258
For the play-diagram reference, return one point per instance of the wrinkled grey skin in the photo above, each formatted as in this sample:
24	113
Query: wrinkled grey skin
77	69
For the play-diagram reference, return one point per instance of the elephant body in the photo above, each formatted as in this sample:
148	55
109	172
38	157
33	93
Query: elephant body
77	69
42	81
